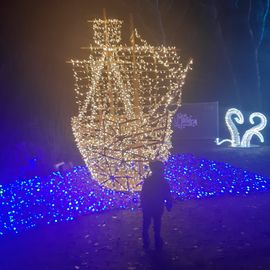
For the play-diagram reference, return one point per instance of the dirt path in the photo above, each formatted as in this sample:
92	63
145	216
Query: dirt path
218	233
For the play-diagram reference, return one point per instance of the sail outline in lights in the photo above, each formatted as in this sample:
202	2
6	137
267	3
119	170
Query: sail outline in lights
127	96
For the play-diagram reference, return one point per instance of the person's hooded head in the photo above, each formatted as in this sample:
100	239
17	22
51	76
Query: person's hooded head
156	166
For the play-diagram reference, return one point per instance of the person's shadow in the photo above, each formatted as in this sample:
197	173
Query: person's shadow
157	260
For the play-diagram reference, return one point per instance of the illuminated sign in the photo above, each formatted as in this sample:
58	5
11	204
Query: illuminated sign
183	120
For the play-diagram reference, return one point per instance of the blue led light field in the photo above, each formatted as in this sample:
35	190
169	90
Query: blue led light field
63	197
192	177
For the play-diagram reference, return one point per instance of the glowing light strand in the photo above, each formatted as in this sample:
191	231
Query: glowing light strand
127	96
253	131
59	197
235	137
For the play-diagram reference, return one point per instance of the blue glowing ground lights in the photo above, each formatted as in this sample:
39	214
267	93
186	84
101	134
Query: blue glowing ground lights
191	177
59	197
62	197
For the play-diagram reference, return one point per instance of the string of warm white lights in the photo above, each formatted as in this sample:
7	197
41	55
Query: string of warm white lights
127	96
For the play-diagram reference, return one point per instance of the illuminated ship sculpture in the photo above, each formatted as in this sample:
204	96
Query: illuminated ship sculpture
127	96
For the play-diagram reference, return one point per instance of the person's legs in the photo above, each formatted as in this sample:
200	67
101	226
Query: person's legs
146	225
157	227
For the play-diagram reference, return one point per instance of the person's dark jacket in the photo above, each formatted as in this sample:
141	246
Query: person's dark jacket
155	191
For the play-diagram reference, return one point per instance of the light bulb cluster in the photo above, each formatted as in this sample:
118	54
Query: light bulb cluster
107	32
64	196
191	177
127	97
255	130
56	198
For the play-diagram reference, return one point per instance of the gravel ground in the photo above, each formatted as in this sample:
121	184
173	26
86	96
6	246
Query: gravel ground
217	233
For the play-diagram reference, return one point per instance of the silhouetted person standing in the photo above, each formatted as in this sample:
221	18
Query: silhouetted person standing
155	191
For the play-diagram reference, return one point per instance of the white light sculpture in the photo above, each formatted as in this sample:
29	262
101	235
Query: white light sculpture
235	136
255	130
127	97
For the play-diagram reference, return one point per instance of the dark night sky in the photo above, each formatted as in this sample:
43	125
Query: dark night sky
229	41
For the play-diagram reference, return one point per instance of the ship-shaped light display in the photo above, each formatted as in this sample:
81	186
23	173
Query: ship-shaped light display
127	96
